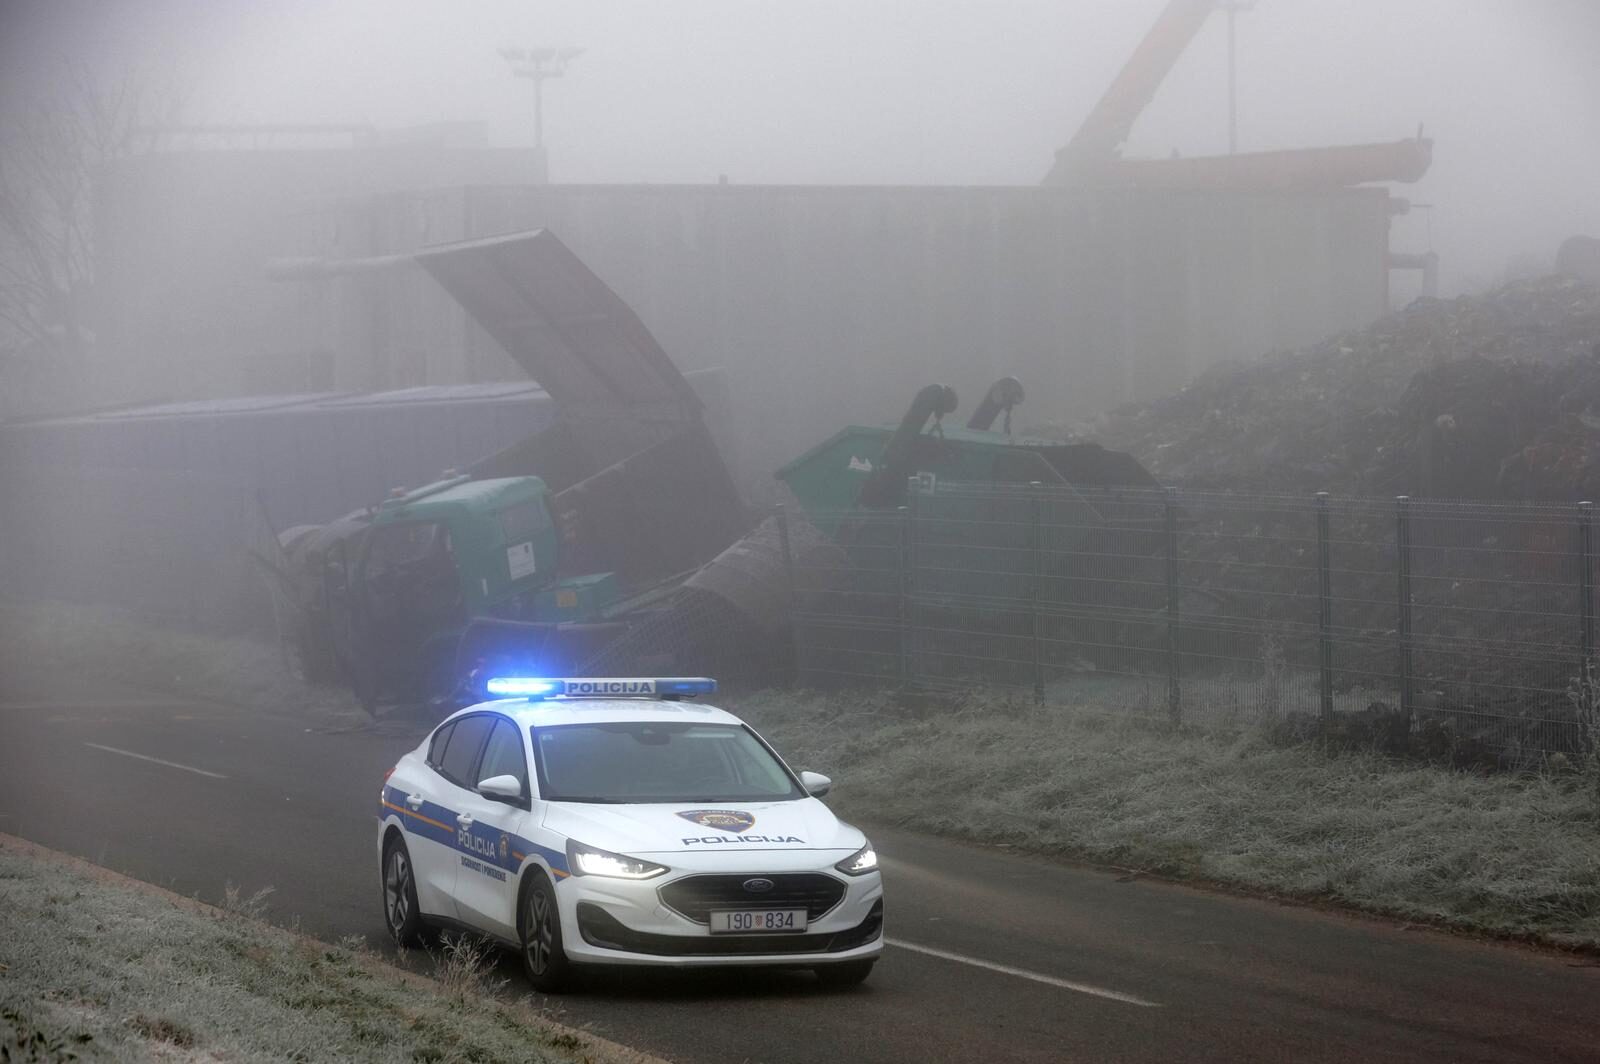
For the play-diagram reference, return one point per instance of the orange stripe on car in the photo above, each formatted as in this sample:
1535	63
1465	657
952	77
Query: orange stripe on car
419	816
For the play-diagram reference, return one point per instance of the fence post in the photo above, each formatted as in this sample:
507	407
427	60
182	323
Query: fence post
1402	541
1174	684
1586	584
782	516
1324	613
1034	605
906	517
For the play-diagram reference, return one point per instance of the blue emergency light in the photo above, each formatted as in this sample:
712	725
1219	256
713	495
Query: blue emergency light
520	687
599	687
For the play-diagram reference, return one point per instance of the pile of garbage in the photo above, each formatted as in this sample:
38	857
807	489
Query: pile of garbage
1484	397
1494	398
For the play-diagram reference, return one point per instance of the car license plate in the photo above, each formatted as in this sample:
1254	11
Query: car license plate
757	921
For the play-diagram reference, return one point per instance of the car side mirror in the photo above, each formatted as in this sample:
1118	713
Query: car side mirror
815	783
505	788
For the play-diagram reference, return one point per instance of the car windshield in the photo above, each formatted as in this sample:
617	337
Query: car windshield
656	761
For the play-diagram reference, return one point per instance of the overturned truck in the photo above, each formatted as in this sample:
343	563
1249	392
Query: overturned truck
613	541
542	553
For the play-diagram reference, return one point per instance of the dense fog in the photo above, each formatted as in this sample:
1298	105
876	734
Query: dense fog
943	92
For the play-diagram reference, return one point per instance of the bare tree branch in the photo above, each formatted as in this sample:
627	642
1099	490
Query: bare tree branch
52	148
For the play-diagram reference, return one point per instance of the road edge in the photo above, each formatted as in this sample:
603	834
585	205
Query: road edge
585	1043
1528	942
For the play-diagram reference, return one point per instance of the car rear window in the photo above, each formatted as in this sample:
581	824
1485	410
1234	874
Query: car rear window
441	739
466	741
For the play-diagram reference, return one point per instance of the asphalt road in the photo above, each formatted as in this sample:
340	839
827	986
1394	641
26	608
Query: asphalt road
993	957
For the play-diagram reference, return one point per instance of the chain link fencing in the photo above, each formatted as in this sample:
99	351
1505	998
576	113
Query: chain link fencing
1446	628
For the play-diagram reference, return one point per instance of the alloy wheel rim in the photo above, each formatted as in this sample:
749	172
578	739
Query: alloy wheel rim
541	934
396	904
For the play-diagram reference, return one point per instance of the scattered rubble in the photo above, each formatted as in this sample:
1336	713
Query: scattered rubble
1489	397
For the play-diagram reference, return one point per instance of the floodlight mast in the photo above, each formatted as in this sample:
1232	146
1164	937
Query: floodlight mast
1233	7
538	65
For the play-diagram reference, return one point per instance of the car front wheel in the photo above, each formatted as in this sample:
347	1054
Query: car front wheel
543	956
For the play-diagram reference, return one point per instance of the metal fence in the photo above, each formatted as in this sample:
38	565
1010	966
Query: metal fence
1464	626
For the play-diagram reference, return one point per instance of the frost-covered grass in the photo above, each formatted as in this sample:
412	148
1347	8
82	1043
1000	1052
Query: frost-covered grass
101	968
1498	853
1505	854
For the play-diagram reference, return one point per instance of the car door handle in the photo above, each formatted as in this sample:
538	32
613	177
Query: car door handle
414	801
464	820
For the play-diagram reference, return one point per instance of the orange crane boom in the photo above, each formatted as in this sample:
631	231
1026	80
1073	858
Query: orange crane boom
1102	134
1333	167
1094	155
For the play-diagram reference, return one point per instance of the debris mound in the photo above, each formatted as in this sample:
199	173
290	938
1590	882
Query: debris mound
1485	397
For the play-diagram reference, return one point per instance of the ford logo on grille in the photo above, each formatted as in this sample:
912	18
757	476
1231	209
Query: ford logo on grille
758	886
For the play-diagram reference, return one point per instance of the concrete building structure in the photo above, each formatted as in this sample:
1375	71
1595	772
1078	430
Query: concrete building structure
184	227
829	305
277	269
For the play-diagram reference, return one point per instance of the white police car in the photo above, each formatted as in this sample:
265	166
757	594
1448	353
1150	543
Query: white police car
593	822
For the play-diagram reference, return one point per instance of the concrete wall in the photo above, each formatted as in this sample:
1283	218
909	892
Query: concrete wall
825	304
830	305
181	238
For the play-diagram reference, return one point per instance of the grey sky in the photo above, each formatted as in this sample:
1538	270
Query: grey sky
924	92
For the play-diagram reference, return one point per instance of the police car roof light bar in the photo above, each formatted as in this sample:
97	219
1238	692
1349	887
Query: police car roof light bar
686	686
665	687
520	687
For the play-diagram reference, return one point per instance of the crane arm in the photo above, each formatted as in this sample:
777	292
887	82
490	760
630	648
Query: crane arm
1100	138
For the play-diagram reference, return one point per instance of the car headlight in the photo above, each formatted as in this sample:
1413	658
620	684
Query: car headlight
860	863
590	861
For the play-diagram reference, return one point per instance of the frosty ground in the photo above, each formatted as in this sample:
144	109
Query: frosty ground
1512	854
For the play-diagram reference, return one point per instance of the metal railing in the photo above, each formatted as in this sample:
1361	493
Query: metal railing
1469	626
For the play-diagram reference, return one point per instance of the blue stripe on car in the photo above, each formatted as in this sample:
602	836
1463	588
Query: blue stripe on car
435	822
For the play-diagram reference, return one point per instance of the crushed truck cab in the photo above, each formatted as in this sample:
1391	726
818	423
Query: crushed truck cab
544	552
499	533
440	567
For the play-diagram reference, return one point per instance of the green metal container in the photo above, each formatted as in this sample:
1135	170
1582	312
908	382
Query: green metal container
500	533
579	598
827	480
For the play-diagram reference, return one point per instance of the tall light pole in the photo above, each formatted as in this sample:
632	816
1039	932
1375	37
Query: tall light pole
1233	7
538	65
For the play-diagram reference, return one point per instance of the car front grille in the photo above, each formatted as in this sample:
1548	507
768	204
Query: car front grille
599	928
694	897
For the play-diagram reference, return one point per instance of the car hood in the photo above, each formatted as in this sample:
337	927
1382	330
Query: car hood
704	827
